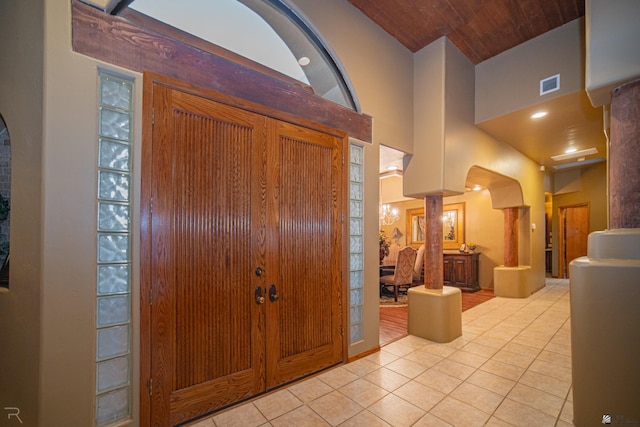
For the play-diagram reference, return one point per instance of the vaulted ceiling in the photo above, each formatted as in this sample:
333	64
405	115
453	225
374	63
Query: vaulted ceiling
481	29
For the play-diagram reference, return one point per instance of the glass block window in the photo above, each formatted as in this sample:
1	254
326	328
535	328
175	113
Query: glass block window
356	241
113	291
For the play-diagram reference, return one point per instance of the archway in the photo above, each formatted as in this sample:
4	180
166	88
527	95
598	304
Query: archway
512	277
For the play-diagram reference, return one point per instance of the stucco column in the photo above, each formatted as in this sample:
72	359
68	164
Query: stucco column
510	237
624	157
604	284
433	278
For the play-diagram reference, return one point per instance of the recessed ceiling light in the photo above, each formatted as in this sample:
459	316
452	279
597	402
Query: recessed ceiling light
570	150
304	61
538	114
392	168
477	187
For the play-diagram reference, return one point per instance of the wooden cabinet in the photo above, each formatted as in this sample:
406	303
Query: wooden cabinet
461	270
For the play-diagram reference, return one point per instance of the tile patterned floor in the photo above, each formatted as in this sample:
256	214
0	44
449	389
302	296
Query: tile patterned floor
511	367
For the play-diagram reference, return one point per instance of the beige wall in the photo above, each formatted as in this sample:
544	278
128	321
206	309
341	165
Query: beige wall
613	52
424	171
380	68
51	349
590	185
483	225
69	234
511	81
466	146
381	71
21	99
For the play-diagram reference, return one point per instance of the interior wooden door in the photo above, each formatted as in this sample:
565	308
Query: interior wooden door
245	255
574	233
207	237
304	257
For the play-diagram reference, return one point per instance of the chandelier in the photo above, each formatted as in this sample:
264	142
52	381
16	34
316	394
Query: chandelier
387	215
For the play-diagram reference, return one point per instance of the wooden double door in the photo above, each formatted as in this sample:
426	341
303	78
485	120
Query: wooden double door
242	254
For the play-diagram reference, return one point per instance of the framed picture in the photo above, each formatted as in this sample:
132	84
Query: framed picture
415	227
452	226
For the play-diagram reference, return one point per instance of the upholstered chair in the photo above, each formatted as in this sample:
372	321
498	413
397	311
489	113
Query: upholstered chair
417	269
403	272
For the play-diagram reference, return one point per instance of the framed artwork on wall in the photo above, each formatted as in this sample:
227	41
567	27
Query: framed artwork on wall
415	227
452	226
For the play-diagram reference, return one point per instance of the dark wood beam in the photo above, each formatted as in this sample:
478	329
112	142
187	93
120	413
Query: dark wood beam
117	41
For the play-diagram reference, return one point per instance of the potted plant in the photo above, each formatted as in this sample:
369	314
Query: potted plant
384	245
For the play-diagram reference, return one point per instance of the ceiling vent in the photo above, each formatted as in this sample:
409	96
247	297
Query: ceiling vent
575	154
550	84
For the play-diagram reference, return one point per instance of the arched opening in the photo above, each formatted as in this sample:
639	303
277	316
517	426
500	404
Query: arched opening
512	277
5	205
269	32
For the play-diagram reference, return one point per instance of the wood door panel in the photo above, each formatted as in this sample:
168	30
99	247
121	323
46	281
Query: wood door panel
230	190
207	195
573	227
577	232
305	323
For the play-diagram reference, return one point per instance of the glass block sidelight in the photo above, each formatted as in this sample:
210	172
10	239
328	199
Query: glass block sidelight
113	310
113	341
112	374
113	216
115	124
114	155
356	241
113	248
113	279
113	186
115	92
113	232
113	407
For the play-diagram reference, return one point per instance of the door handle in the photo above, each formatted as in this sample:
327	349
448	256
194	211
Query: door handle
259	271
273	295
259	297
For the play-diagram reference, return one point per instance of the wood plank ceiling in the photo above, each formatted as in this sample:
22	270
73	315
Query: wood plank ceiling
481	29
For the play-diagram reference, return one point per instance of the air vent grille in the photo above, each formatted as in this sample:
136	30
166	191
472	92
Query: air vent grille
550	84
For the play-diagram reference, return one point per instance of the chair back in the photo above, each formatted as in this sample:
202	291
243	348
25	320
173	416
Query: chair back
404	266
417	269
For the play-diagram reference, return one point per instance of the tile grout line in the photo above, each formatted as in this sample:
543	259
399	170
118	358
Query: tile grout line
492	415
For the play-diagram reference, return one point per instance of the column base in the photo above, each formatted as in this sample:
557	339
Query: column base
513	282
605	342
435	315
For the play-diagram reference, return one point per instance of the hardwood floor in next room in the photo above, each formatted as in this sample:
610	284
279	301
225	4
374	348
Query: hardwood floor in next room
393	319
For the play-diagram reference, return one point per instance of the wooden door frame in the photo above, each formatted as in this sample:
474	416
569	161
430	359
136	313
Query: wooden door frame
561	231
149	80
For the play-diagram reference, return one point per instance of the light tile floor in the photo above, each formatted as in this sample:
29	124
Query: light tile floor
511	367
